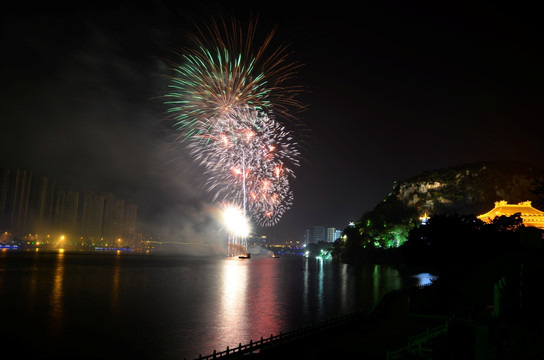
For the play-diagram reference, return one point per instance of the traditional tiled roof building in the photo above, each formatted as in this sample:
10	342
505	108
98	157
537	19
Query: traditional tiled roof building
529	215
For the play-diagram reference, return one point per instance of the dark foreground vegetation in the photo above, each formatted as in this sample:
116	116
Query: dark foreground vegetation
487	297
440	194
444	243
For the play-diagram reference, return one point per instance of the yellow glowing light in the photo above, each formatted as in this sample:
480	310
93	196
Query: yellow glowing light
424	219
61	250
236	222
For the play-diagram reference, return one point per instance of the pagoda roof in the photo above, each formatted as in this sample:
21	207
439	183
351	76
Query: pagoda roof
503	208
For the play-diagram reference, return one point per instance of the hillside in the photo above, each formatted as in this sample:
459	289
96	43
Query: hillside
463	190
469	189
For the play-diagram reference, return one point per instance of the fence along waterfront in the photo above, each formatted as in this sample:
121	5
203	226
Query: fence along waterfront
282	338
257	346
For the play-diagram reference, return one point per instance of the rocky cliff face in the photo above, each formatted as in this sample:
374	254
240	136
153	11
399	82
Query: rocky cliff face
469	189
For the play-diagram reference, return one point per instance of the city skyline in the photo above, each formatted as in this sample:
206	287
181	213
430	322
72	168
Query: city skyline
38	207
52	208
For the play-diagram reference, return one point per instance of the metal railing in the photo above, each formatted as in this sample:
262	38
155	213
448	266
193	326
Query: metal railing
416	342
257	346
282	338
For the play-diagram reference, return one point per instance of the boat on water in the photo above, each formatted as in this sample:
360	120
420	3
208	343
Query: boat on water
246	256
275	256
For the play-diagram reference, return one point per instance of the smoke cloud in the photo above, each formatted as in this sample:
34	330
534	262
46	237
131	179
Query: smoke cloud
81	103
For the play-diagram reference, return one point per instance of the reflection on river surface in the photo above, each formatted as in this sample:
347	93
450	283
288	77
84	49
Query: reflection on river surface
127	306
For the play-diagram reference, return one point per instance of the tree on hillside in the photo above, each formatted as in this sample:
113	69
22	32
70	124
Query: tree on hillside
349	246
387	225
465	189
451	240
507	223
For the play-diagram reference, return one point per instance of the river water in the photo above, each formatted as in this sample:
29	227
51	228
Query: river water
127	306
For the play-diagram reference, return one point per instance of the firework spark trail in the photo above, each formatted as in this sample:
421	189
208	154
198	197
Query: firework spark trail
252	148
222	72
246	130
226	99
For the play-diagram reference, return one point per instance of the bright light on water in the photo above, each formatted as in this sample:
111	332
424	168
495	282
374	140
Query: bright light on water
194	305
425	279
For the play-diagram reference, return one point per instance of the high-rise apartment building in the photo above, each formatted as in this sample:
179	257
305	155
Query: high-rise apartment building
119	218
19	220
65	218
131	214
331	234
43	205
92	216
315	234
319	234
15	200
108	215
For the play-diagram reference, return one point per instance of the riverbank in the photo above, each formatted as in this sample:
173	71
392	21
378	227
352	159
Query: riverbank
490	311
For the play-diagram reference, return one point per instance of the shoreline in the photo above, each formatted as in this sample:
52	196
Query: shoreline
462	302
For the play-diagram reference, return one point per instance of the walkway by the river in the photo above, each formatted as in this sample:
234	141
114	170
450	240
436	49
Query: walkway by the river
365	338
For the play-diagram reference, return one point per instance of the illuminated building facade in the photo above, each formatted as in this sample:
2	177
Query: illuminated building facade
333	234
529	215
317	234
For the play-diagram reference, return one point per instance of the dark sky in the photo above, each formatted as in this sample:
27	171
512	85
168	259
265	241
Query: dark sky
393	89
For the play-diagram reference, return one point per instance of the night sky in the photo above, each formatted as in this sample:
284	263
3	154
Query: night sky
392	89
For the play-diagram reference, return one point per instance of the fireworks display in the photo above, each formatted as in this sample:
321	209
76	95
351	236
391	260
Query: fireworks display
222	72
227	99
